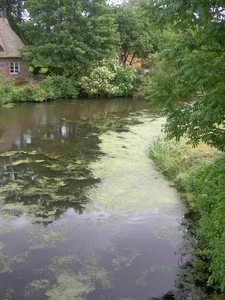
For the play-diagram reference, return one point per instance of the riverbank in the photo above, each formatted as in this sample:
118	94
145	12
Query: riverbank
110	79
198	173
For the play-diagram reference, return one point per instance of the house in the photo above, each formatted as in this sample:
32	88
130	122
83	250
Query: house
11	64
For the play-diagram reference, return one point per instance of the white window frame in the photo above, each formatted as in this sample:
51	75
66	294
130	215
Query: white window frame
14	67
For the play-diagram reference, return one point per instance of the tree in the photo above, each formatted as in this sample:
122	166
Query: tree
69	36
14	10
193	69
135	31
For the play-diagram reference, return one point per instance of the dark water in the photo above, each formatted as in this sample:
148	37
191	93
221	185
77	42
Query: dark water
83	212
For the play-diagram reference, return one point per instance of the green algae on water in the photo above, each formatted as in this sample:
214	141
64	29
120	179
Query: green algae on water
129	184
69	287
120	262
143	277
102	186
41	237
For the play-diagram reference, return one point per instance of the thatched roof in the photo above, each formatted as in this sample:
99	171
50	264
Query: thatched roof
10	43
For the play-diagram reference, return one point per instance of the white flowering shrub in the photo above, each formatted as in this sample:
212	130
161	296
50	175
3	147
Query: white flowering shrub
124	79
98	83
109	79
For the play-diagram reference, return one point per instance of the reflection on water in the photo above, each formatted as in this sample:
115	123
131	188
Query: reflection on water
58	121
83	213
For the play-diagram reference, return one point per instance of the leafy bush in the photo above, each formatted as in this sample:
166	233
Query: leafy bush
28	94
207	184
6	88
52	88
99	83
19	95
60	87
124	79
109	79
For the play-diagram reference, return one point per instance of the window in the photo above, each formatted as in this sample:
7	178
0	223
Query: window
14	68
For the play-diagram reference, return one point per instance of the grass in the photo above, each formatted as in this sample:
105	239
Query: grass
175	159
198	173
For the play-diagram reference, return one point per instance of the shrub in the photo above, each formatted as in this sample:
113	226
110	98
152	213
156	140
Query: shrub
6	89
28	94
19	95
52	88
109	79
60	87
99	83
207	184
124	80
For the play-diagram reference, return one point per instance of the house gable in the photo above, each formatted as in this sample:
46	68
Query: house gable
10	45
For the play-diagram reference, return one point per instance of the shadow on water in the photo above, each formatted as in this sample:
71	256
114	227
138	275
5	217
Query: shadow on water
83	212
55	139
167	296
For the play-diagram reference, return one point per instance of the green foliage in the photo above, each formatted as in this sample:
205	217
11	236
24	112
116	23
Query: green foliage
68	37
135	31
125	78
98	83
109	79
14	10
6	88
52	88
60	87
29	94
201	178
205	13
207	184
192	68
167	155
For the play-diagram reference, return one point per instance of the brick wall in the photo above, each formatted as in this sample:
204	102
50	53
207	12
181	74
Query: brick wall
24	67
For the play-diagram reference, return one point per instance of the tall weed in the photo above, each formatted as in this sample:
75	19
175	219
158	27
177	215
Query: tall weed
167	155
201	176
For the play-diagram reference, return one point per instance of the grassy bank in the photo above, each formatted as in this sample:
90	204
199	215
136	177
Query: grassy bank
199	175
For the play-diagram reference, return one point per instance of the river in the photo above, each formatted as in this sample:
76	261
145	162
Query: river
83	212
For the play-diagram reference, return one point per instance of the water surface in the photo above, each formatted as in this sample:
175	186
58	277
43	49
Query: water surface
83	212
